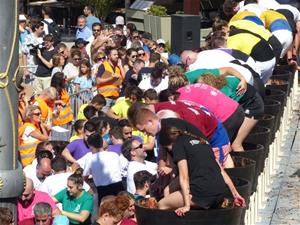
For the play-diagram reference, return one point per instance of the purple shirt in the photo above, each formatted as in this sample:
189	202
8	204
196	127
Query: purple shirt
115	148
78	148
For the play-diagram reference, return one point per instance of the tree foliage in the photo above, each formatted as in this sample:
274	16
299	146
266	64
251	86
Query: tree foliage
102	8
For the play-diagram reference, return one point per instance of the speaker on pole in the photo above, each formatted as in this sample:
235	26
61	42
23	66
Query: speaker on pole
185	32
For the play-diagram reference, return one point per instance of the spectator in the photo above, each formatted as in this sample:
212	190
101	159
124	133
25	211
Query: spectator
134	152
82	30
98	102
88	11
78	148
132	76
77	204
142	182
47	20
30	134
85	80
29	49
42	214
58	63
71	70
150	96
155	81
6	216
45	64
29	199
104	166
58	181
63	49
78	128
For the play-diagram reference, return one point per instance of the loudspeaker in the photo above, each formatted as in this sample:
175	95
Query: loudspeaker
185	32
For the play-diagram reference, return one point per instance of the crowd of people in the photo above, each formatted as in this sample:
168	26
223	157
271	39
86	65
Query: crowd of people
143	126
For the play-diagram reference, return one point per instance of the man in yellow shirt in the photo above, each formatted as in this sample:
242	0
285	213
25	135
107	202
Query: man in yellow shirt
98	102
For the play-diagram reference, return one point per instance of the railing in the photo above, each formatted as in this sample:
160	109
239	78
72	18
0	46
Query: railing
77	99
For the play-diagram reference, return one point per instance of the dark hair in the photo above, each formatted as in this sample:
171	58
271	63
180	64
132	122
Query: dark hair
124	123
89	126
61	45
47	10
87	63
98	99
75	51
43	154
6	216
162	66
41	147
37	25
95	140
129	51
246	2
90	8
164	95
58	82
126	148
96	24
89	111
77	177
156	73
154	57
116	132
59	164
219	24
78	125
48	37
228	6
109	49
131	27
217	40
99	123
151	94
141	177
134	90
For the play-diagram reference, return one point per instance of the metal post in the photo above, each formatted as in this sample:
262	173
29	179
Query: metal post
11	175
191	7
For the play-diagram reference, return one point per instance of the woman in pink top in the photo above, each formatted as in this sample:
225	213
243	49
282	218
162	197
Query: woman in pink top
224	108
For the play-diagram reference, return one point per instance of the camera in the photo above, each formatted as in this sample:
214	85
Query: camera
34	48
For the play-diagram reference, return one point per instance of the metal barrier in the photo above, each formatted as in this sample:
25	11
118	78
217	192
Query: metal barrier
77	99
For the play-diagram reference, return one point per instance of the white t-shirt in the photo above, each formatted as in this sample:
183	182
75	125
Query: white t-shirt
26	135
207	60
30	172
134	167
105	167
145	84
57	182
46	30
255	8
71	71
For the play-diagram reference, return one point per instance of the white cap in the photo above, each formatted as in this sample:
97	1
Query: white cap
22	17
120	20
161	41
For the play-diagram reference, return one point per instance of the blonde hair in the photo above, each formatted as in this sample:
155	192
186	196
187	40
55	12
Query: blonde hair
29	110
217	82
176	82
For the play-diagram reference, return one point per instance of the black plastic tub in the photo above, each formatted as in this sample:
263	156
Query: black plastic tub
260	135
228	216
243	186
286	72
276	94
274	108
267	120
244	169
254	152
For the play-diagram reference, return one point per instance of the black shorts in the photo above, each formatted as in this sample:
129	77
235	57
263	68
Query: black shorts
208	202
111	189
234	122
253	105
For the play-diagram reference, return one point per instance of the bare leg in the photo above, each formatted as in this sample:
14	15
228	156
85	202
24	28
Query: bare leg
229	162
172	201
172	187
243	132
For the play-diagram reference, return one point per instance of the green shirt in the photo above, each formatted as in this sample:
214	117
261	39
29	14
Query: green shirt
229	89
75	205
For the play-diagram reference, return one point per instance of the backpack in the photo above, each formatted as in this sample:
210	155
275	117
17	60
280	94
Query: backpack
54	30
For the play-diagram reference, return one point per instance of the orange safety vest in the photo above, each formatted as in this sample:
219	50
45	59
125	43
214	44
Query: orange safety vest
109	90
46	111
27	150
21	110
66	114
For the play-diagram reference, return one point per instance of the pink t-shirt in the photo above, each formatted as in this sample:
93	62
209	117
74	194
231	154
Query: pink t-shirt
27	213
204	95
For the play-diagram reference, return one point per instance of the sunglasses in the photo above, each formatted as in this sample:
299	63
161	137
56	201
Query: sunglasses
96	30
101	58
133	56
135	37
77	59
141	54
138	147
36	114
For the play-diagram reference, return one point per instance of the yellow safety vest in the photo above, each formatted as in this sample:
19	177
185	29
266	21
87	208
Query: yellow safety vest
66	114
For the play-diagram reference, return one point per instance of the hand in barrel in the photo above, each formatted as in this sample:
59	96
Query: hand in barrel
239	201
182	210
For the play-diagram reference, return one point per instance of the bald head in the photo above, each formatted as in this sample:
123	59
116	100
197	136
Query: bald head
188	57
28	185
44	168
27	194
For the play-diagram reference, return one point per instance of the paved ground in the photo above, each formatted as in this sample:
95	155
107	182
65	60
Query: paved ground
283	201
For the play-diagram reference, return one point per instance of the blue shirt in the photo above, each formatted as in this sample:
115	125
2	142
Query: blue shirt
84	33
90	20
